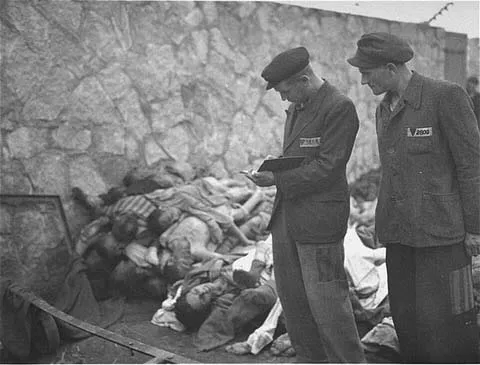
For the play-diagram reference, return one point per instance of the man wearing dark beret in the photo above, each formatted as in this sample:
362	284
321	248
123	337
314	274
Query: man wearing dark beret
428	212
310	212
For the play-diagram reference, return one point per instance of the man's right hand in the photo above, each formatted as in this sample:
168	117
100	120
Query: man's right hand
263	178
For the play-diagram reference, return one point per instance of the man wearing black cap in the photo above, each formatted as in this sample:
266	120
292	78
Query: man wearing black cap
428	212
310	213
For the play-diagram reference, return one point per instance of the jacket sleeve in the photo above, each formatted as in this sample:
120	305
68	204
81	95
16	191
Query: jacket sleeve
459	126
341	126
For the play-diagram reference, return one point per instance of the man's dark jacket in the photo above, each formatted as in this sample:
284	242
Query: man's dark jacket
430	153
315	195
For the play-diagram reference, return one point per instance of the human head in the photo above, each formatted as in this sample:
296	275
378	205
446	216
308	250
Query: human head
108	247
290	74
173	266
381	58
472	83
180	261
191	317
160	219
125	228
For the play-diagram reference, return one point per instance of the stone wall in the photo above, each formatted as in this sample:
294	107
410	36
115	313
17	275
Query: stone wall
473	57
91	89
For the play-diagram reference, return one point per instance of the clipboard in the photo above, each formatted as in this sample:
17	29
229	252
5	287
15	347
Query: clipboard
281	164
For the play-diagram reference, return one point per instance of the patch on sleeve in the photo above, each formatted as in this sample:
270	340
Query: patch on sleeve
461	290
310	142
419	132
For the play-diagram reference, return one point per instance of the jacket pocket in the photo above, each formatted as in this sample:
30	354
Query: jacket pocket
419	145
442	215
315	220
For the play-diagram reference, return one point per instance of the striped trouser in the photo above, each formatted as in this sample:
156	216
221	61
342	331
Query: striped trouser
431	299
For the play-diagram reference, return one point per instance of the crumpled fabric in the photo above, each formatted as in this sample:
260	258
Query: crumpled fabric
15	320
217	329
383	335
282	346
165	316
190	199
366	270
263	335
138	254
231	313
76	298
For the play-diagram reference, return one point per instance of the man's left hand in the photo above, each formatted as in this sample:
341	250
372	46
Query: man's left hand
472	244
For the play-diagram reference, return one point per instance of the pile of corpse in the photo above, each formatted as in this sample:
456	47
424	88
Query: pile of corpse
202	249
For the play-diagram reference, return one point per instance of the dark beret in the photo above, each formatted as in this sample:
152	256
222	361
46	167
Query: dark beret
284	65
377	49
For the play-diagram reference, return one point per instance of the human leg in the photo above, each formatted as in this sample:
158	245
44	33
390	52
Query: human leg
442	320
328	296
301	325
401	293
250	304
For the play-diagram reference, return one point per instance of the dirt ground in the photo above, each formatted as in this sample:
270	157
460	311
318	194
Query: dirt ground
135	324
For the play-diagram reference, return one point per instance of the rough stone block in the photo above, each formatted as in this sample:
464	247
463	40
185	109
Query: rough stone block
133	116
153	152
48	173
73	137
177	143
90	102
210	11
26	142
220	44
194	18
83	173
109	139
200	39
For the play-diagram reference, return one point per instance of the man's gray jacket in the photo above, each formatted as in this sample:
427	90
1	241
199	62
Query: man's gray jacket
430	154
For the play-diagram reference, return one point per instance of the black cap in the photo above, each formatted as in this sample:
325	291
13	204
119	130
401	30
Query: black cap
377	49
284	65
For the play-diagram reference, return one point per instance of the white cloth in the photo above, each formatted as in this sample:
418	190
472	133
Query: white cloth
165	316
263	252
137	253
263	335
366	269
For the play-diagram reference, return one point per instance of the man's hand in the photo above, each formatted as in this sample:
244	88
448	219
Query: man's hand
472	244
264	178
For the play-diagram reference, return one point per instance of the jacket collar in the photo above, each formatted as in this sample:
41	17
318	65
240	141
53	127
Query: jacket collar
412	94
307	114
